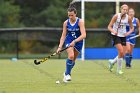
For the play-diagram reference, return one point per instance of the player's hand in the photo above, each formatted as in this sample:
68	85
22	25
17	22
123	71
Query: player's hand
58	50
115	33
72	43
126	34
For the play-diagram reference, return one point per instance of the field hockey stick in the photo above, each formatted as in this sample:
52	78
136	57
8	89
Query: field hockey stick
133	37
46	58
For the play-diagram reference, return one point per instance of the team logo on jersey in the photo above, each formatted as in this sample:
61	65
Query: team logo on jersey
74	29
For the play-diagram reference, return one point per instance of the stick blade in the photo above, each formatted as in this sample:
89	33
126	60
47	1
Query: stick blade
35	62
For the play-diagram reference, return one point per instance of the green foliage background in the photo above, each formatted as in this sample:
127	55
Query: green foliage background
52	13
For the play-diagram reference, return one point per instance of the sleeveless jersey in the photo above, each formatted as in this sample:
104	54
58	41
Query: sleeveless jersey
73	30
122	28
134	21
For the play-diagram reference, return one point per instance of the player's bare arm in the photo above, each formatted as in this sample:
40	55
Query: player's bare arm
138	25
82	30
62	36
113	20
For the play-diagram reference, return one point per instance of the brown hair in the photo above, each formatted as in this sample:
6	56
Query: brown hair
72	8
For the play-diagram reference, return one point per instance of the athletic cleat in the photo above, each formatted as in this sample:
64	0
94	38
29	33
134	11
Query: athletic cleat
120	72
66	78
128	67
110	66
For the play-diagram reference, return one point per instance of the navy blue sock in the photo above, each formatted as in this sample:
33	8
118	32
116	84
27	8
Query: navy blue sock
130	59
68	66
127	59
73	63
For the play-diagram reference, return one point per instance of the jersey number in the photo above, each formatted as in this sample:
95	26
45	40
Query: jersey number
73	34
122	27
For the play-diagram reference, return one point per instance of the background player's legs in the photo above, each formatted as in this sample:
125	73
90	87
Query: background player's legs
128	55
131	51
120	57
114	60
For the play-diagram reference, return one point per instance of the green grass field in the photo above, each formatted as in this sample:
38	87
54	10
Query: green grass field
91	76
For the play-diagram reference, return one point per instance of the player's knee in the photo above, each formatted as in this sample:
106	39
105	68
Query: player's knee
128	51
121	53
71	56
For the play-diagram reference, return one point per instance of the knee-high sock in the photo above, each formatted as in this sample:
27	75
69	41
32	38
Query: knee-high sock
68	66
114	60
127	59
119	62
130	59
73	64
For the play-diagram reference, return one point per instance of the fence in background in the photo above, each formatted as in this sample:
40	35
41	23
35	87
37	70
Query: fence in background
40	42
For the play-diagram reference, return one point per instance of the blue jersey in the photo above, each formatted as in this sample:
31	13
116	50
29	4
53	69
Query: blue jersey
134	21
73	32
132	41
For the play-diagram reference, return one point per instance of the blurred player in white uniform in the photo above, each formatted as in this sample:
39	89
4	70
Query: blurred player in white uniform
117	27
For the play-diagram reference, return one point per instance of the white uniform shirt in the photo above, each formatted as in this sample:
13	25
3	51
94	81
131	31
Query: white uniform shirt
122	28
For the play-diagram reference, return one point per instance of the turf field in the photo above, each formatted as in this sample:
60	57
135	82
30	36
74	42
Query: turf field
91	76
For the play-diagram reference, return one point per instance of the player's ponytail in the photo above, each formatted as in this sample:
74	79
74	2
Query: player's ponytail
72	8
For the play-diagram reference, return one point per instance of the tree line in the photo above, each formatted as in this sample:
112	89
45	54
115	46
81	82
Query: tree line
52	13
